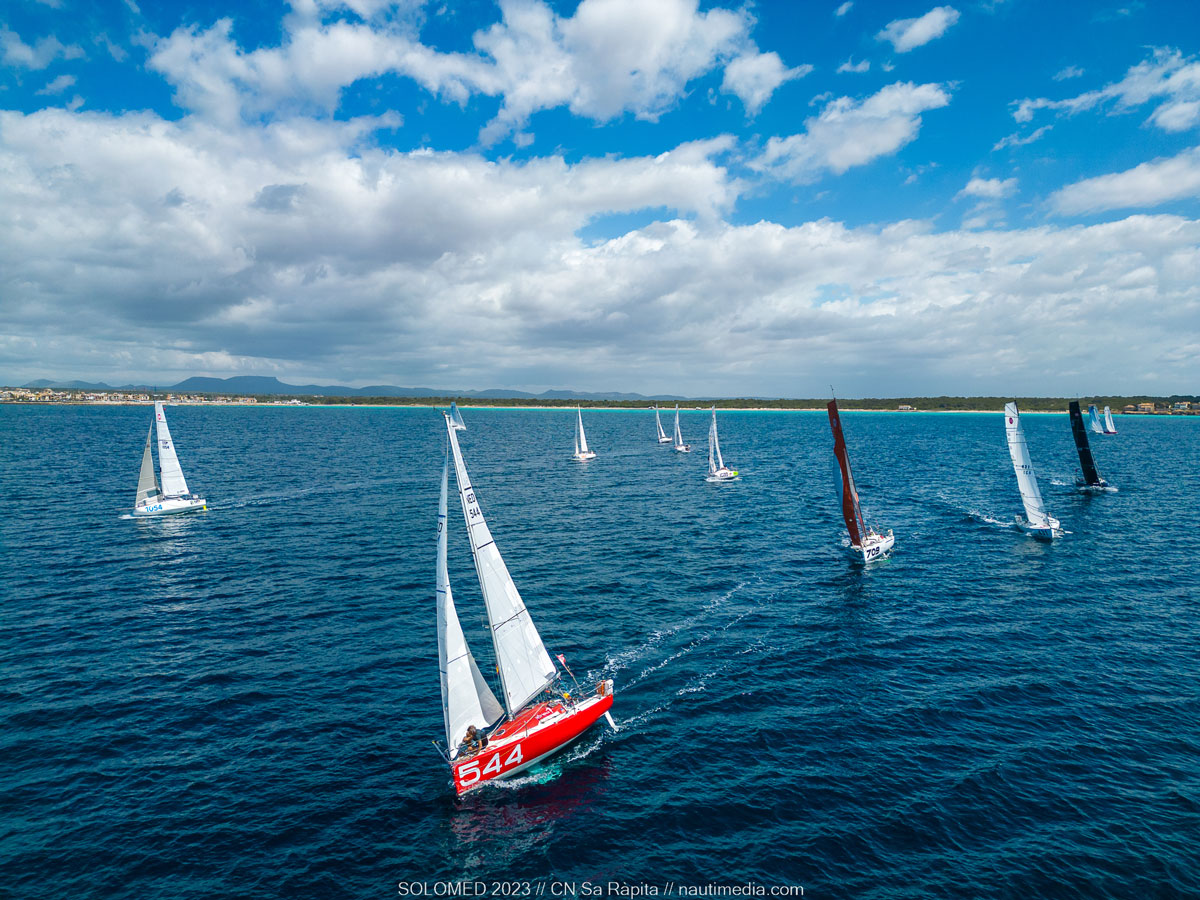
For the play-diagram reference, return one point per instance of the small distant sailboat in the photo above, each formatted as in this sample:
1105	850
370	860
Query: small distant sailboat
542	716
1094	420
1089	479
456	421
582	453
717	470
1109	427
867	541
1037	521
168	493
680	446
662	435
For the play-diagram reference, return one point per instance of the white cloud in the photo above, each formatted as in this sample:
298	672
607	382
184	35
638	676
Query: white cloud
849	66
1145	186
1167	78
1068	72
1016	140
610	58
908	34
15	52
58	85
843	9
989	188
754	77
851	133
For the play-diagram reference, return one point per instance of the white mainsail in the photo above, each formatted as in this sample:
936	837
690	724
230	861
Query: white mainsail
466	698
1094	420
662	435
1035	510
714	446
525	666
456	418
580	438
678	435
147	483
173	484
1109	427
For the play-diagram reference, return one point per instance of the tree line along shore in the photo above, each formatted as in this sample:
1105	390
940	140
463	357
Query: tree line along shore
1140	405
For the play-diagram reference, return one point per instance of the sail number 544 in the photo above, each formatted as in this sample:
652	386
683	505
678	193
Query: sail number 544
469	772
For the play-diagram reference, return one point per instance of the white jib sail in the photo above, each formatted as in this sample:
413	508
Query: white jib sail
714	446
525	666
662	435
581	438
678	435
147	484
466	698
173	484
456	417
1035	510
1109	427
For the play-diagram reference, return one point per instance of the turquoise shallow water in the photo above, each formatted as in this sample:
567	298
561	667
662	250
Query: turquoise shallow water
241	702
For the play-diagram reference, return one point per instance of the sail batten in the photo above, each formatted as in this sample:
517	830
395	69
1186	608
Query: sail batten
1018	448
147	488
524	665
171	474
466	697
847	492
1087	464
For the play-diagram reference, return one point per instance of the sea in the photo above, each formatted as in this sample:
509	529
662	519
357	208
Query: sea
244	702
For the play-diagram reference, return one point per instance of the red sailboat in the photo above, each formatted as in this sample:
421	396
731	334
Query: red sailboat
540	715
864	540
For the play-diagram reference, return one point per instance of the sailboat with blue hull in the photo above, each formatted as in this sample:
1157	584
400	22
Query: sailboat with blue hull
1089	478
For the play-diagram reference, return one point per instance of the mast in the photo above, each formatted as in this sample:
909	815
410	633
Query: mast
173	483
521	658
466	698
847	493
1086	464
1018	448
147	482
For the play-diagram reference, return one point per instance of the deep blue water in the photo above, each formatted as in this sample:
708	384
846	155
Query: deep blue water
241	702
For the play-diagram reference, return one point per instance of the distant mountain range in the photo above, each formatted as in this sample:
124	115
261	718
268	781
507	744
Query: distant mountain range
259	385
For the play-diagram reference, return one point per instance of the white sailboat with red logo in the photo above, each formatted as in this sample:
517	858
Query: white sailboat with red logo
867	541
167	493
1037	521
540	716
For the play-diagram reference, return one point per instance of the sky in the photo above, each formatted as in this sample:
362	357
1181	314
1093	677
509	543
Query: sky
655	196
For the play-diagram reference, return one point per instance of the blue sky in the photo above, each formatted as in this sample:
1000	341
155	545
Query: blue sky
895	198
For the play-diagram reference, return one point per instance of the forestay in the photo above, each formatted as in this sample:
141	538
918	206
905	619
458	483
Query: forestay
847	492
1035	509
147	484
525	666
466	698
173	484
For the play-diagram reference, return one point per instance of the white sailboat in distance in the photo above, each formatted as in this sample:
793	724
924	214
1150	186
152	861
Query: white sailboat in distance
717	470
167	493
680	446
456	421
582	453
1037	521
867	541
1109	427
541	716
662	435
1094	420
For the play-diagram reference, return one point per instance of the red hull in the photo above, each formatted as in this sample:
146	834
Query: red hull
533	735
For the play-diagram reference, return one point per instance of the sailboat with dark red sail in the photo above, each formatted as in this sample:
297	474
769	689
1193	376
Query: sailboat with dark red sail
1089	479
867	541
